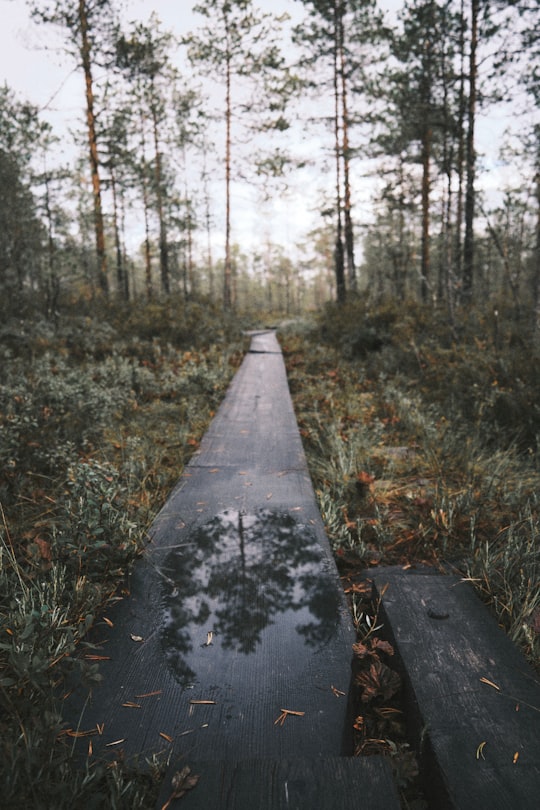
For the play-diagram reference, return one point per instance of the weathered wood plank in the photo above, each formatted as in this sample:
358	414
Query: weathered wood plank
237	601
338	783
265	341
480	743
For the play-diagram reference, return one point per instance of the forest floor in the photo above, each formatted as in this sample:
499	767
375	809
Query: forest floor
422	451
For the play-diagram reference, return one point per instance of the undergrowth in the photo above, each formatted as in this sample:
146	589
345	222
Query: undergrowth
423	449
412	459
97	418
415	462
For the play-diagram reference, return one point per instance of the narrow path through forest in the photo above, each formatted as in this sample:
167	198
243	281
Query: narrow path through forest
232	651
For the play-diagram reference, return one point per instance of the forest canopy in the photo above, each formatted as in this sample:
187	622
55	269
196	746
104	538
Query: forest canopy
368	121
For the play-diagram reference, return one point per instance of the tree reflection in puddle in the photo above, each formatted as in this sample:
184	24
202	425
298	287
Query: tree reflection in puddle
239	575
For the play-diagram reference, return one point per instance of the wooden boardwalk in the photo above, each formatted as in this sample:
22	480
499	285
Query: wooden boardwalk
472	701
233	651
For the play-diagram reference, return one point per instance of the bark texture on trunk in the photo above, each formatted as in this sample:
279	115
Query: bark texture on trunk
468	246
103	280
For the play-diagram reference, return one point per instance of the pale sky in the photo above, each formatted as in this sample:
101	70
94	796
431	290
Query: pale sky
49	80
33	65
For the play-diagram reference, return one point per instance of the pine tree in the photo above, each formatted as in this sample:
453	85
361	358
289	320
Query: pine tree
86	23
239	48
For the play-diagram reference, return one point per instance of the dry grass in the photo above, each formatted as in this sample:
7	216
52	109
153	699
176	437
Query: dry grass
404	478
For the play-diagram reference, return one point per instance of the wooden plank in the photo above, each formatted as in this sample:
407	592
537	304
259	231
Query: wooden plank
237	602
475	701
265	341
294	784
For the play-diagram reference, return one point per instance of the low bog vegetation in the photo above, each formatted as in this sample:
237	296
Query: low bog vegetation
97	419
425	449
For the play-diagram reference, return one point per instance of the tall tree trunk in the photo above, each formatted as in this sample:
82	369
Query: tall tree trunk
426	187
460	158
147	252
208	226
536	265
339	257
163	244
52	283
227	276
468	247
349	230
121	275
103	280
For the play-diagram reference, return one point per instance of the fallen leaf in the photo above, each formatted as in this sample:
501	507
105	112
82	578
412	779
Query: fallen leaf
383	646
361	650
165	736
44	548
372	647
378	680
364	588
182	781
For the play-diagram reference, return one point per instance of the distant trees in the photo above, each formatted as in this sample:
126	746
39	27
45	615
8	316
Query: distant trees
142	54
339	40
400	106
239	47
447	61
21	232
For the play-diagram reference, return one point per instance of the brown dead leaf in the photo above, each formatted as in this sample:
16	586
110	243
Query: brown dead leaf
361	650
181	782
382	646
364	481
363	588
378	680
372	647
44	548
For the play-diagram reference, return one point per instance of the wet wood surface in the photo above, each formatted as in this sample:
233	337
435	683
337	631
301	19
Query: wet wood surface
336	783
236	612
473	701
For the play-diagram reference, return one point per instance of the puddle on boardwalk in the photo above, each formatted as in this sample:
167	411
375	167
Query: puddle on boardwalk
239	579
